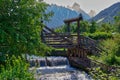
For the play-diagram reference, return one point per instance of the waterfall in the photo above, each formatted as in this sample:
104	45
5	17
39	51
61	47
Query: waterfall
56	68
58	61
49	61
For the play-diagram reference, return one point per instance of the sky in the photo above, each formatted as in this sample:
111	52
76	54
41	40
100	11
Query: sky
86	5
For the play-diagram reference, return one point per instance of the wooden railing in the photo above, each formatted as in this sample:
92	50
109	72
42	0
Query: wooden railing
90	44
62	40
57	35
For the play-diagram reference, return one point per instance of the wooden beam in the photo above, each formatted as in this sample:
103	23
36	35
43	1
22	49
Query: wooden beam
78	31
68	28
73	19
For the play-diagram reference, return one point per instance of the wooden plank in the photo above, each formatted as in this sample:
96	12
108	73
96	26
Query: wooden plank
58	34
85	62
61	45
45	31
50	38
65	36
57	40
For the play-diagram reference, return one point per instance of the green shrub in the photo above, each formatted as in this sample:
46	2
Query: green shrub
112	48
99	74
16	69
98	35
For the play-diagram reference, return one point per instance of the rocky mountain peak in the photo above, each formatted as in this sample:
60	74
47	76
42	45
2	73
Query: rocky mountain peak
92	13
76	7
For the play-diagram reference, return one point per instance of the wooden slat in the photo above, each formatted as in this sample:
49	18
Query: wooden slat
49	38
53	37
56	41
58	34
61	45
64	35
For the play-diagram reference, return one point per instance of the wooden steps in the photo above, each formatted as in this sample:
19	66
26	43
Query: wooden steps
58	40
77	46
61	45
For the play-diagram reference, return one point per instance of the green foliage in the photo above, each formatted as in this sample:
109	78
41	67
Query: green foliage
99	74
93	27
98	35
84	27
117	23
16	69
105	27
112	47
20	26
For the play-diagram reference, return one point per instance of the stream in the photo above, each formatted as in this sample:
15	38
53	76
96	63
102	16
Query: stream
56	68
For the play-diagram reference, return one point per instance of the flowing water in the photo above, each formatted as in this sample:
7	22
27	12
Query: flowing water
56	68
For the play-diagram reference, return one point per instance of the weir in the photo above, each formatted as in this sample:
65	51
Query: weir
58	70
48	61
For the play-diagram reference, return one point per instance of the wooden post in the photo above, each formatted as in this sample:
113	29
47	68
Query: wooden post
42	37
80	53
78	31
68	28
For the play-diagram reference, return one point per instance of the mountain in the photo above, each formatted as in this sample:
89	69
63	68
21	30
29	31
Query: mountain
60	14
92	13
108	14
76	7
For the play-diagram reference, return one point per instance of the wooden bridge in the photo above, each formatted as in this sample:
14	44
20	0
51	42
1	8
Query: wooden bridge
77	46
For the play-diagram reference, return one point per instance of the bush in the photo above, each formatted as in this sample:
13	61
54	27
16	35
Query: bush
98	35
99	74
112	48
16	69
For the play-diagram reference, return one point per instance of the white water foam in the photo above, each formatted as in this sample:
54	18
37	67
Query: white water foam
59	70
61	73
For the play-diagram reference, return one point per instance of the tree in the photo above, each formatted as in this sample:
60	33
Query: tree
117	23
105	27
93	27
84	26
20	27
